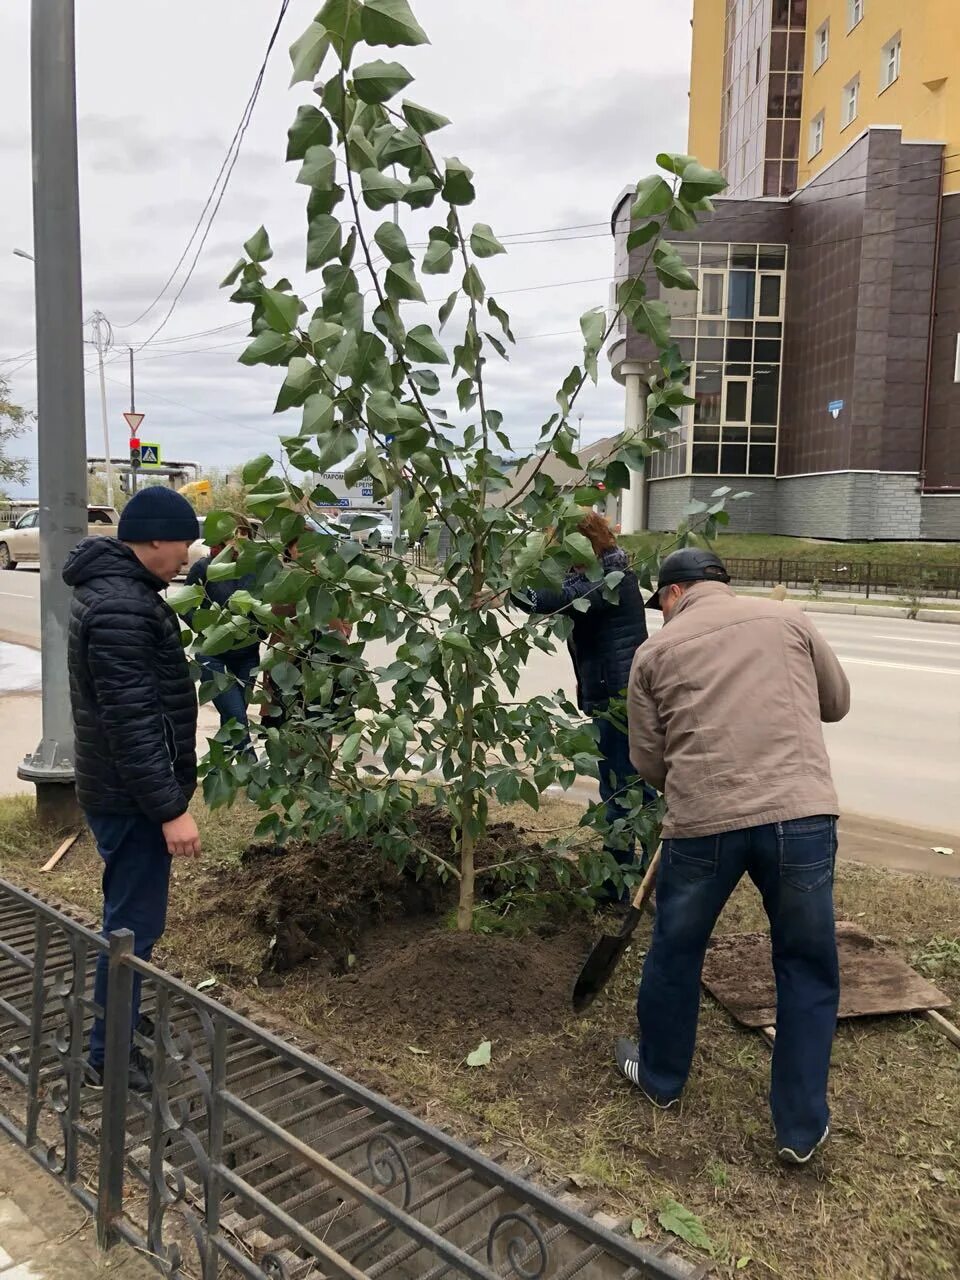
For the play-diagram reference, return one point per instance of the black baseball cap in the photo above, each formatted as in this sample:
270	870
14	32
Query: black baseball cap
689	564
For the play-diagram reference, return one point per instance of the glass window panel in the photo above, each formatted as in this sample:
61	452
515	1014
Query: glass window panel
743	255
763	459
795	54
710	328
767	330
711	293
771	178
684	325
766	391
710	349
798	12
791	141
769	302
733	458
739	370
788	178
706	458
781	12
776	95
739	350
767	350
774	137
793	99
741	291
707	393
714	255
778	51
740	329
682	302
686	348
734	435
763	435
689	251
735	406
704	433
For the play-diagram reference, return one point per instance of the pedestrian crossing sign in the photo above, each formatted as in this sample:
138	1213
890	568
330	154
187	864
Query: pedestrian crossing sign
149	455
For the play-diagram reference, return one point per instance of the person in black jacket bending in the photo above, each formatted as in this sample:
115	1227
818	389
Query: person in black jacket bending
135	726
602	644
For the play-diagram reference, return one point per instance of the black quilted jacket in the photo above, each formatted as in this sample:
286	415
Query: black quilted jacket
605	637
134	703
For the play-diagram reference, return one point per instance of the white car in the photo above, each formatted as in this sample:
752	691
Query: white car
20	543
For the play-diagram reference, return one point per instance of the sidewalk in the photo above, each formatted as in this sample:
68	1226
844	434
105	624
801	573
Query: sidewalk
46	1235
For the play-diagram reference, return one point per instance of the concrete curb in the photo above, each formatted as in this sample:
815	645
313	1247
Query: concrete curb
949	616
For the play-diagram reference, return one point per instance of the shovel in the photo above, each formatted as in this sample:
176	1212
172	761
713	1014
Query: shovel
607	950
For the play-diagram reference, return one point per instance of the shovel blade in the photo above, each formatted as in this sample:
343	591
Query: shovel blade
598	969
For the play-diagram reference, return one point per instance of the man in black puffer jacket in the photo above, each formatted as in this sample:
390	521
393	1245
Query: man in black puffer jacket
602	644
135	725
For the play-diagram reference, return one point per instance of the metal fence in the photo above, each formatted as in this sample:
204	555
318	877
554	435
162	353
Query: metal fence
250	1157
871	577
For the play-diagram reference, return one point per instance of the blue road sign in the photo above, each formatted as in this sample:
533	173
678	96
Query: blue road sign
834	408
343	502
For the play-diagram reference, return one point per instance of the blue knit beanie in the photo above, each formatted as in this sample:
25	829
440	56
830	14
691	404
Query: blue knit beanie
158	514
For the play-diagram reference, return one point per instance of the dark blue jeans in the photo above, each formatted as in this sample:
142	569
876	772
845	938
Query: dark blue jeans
791	863
616	773
136	883
232	703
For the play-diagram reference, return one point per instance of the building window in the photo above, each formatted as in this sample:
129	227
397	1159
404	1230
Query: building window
854	13
816	135
734	345
821	45
890	63
850	107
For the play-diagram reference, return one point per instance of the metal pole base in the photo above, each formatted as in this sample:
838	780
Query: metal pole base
51	772
57	806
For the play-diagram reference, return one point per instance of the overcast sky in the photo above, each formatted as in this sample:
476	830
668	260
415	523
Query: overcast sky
556	105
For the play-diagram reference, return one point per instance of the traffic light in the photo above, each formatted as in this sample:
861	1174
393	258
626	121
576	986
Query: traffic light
134	452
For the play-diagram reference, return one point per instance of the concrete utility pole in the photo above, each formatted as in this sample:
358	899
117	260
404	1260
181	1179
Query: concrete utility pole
633	515
103	341
61	432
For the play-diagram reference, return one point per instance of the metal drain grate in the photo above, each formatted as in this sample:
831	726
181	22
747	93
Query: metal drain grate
250	1156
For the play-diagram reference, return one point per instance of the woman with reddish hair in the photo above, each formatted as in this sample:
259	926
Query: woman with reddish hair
604	639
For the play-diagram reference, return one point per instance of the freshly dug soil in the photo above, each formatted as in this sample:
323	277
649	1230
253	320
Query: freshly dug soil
373	945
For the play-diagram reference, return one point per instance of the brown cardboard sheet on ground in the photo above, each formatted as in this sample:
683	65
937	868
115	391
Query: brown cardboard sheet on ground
873	979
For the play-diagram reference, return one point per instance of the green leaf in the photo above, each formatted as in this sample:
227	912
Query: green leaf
382	412
653	319
268	348
318	168
457	185
218	527
699	183
480	1057
593	325
447	309
363	579
323	240
501	317
674	163
308	52
391	22
350	747
256	469
379	81
483	242
420	193
423	347
402	146
579	545
257	248
681	1222
300	374
744	1262
323	333
392	243
456	640
654	195
401	283
438	259
670	268
234	272
281	309
638	1228
310	128
379	189
642	235
341	18
427	381
473	284
422	120
360	152
317	415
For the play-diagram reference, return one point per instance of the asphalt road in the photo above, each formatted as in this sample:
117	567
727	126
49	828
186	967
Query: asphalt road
895	757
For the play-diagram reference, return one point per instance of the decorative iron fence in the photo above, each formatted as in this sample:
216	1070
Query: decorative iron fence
249	1157
871	577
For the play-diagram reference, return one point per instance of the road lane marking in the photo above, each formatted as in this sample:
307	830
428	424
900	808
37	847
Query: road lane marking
900	666
883	635
18	595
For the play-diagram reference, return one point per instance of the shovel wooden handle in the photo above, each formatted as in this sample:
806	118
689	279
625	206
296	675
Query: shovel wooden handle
645	887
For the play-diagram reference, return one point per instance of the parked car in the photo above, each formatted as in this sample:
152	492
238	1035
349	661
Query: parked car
20	544
384	526
199	549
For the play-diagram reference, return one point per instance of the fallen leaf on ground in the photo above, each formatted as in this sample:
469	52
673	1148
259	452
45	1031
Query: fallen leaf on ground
943	850
206	984
743	1262
639	1228
481	1055
679	1221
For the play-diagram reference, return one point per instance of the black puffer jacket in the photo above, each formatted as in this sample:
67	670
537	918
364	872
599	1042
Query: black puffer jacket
606	636
134	703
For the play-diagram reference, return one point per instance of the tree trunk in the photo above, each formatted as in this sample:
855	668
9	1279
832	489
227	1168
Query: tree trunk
467	811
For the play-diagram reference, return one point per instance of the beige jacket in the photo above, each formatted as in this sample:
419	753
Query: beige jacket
725	705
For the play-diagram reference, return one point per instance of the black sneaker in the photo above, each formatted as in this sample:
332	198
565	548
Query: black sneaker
789	1156
628	1060
139	1074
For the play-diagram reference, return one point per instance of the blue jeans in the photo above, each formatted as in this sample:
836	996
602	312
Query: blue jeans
791	863
616	773
136	884
232	703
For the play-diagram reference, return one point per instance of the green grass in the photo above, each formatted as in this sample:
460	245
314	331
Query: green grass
748	546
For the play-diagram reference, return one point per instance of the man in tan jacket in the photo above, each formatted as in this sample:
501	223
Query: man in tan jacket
725	706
